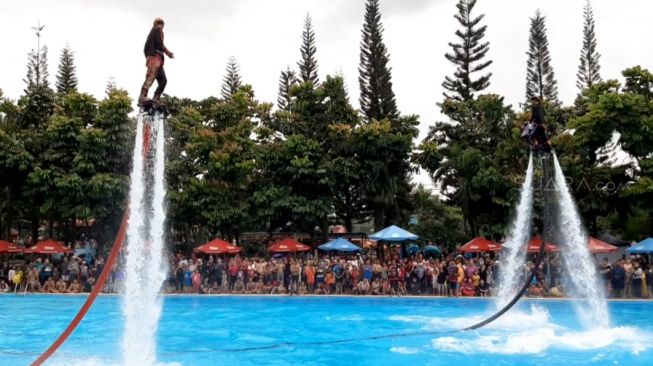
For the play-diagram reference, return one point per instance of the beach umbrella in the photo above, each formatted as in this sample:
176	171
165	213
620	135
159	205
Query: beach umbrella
598	246
217	246
479	244
393	233
412	249
536	242
340	244
288	245
643	247
7	247
48	246
431	250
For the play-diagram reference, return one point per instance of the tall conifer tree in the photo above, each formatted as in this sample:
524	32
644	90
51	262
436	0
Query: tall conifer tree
468	55
540	79
377	99
308	63
231	81
589	68
287	79
66	77
37	69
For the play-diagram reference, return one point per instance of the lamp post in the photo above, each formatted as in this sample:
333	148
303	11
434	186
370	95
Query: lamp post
316	233
38	30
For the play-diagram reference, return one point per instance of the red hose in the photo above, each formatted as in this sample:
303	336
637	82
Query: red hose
117	245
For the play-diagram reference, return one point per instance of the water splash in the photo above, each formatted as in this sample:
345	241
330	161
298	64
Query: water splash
593	312
514	253
144	266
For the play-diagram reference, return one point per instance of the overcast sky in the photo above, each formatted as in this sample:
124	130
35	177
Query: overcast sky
264	36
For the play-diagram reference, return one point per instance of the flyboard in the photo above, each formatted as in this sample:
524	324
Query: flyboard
153	113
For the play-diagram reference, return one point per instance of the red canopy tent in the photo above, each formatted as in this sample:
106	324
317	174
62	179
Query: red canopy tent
479	244
598	246
48	246
536	242
217	246
288	245
7	247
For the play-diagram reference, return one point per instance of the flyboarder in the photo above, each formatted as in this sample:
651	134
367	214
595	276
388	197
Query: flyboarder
534	132
154	55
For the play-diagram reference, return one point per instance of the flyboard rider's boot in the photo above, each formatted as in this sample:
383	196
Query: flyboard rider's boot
142	98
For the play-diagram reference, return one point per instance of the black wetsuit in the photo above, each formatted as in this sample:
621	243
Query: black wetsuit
535	132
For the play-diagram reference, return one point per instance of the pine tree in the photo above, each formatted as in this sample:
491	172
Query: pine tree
467	55
377	99
66	78
308	63
588	70
231	81
540	79
37	69
111	86
287	79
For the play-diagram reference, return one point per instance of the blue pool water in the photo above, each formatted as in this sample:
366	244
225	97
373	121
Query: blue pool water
198	330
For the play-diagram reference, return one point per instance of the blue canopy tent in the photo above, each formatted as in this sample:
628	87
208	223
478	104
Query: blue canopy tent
340	244
394	234
643	247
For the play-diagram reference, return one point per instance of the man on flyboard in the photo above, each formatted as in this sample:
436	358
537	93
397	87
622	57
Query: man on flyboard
534	132
154	55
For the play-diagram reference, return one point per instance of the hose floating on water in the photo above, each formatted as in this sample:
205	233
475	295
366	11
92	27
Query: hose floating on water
111	260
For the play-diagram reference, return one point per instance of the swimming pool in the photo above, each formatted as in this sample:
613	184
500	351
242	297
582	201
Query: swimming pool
201	330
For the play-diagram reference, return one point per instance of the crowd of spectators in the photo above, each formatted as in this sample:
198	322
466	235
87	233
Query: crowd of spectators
68	275
448	275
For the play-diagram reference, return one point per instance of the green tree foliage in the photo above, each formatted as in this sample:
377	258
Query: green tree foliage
295	157
384	149
540	79
589	68
308	63
231	81
619	193
287	79
377	99
233	165
468	55
437	221
477	160
66	77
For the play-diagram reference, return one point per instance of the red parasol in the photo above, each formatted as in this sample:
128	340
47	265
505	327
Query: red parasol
217	246
288	245
598	246
7	247
479	244
48	246
534	245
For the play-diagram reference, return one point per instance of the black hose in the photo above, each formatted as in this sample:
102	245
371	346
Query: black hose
543	156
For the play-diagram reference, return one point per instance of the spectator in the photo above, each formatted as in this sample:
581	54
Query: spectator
637	280
4	287
618	279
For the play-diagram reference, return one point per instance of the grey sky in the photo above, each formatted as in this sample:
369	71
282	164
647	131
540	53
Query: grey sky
264	36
